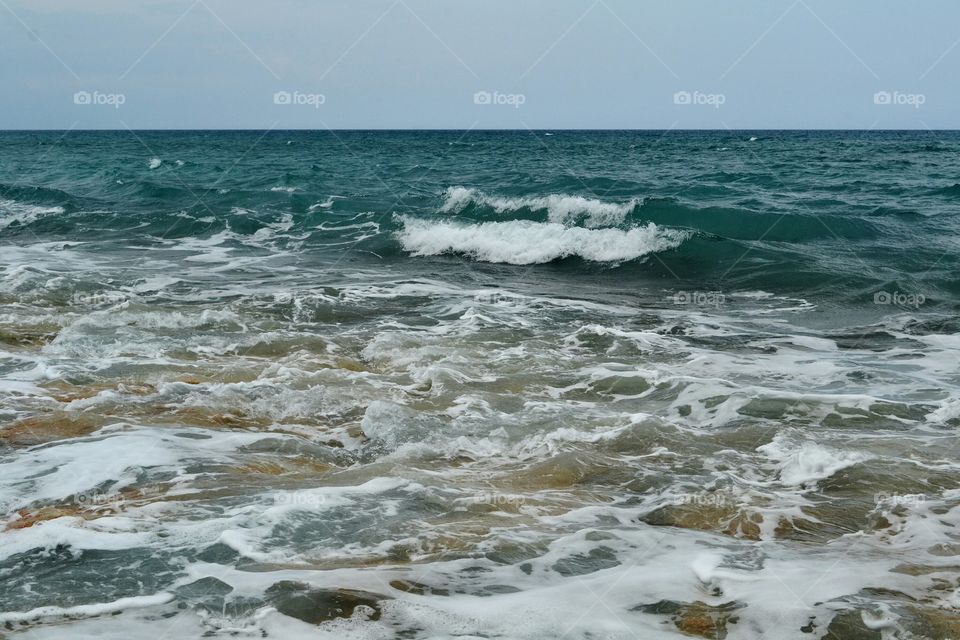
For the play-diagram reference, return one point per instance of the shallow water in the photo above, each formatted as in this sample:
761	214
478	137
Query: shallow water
500	385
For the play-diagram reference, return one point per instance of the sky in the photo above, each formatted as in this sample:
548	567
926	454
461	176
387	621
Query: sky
484	64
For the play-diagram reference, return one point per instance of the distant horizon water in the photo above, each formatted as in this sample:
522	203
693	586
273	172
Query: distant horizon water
503	130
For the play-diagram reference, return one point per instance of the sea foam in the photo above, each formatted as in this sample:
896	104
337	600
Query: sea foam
526	242
560	208
12	212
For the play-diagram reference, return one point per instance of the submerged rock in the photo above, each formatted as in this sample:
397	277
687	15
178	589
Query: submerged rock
418	588
57	425
213	596
849	625
88	506
26	337
696	618
204	587
27	518
66	392
710	516
315	606
928	622
582	564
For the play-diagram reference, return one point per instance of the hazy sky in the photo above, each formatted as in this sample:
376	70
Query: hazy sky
534	63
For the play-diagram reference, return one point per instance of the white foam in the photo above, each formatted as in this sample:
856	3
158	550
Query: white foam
154	284
526	242
808	462
559	207
497	401
121	317
650	566
98	609
155	163
326	204
115	455
101	534
949	410
12	211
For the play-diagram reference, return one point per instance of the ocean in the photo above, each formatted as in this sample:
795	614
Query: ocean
479	384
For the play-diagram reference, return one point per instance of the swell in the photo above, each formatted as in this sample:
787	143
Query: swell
22	206
807	224
953	191
745	218
770	240
743	224
47	196
722	246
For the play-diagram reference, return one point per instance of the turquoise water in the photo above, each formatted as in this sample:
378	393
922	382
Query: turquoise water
841	213
479	384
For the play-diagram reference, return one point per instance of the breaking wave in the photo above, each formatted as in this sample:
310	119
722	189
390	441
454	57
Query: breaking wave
525	242
560	208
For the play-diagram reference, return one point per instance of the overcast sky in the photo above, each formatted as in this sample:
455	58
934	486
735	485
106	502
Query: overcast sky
456	64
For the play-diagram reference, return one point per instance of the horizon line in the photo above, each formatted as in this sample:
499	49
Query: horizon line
490	130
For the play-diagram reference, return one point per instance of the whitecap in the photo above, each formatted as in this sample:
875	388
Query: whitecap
12	211
560	208
526	242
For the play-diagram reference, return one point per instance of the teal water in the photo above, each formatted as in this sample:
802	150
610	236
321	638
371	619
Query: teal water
479	384
831	214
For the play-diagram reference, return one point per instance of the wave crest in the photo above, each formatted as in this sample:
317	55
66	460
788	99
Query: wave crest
560	208
23	213
527	242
